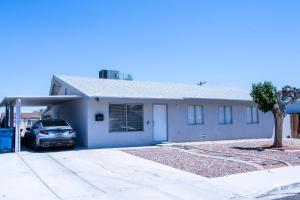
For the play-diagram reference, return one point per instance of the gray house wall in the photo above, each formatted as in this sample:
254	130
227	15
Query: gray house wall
178	128
180	131
75	113
99	135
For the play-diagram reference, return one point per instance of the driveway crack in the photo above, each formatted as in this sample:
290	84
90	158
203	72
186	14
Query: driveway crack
40	179
75	174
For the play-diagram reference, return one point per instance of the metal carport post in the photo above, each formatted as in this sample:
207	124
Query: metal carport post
18	126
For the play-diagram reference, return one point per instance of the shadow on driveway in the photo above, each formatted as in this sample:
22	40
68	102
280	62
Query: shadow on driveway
51	149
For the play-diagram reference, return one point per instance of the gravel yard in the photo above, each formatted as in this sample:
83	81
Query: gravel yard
207	167
218	159
254	148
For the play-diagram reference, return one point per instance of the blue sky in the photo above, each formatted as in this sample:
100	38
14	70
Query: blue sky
225	42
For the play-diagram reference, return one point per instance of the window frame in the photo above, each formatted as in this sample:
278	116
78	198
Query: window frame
126	117
252	116
225	114
195	114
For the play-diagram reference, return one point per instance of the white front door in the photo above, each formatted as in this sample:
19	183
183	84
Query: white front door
160	125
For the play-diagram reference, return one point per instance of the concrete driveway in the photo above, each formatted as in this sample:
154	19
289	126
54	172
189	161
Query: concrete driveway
97	174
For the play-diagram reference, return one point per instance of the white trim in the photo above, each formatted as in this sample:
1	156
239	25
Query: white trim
18	126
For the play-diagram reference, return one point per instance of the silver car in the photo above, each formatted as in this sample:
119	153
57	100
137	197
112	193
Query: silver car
49	133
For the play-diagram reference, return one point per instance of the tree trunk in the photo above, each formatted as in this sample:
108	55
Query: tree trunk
278	116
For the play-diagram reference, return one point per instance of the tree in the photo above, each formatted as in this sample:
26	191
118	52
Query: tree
266	96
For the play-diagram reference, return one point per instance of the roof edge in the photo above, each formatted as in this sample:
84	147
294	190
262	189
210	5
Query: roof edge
7	100
174	99
60	80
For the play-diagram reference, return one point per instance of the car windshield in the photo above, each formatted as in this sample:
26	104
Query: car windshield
54	123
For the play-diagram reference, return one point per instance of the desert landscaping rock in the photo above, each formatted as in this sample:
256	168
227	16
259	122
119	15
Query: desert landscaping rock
207	167
255	148
247	151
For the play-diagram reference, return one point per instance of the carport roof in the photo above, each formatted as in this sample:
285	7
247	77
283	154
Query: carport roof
38	100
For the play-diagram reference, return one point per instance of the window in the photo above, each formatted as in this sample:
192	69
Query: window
126	117
30	122
49	123
252	115
225	115
117	118
195	114
135	121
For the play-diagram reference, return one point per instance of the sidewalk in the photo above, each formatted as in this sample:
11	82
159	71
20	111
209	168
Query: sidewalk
253	184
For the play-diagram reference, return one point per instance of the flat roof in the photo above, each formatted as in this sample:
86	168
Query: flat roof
38	100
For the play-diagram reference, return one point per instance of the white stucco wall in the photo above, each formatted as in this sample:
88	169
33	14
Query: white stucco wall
75	113
178	128
99	135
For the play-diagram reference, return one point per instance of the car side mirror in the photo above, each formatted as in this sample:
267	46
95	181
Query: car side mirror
28	129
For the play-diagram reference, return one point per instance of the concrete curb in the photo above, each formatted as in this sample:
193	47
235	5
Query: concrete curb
283	190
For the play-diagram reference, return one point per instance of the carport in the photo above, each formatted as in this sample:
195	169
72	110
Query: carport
15	103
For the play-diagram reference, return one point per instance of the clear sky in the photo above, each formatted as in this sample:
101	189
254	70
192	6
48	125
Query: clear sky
225	42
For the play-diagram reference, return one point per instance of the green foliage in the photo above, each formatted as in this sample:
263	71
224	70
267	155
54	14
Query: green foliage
263	95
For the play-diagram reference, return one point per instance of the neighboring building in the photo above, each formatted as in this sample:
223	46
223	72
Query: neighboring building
115	113
293	120
27	120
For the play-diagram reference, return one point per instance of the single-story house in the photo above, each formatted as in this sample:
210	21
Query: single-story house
115	113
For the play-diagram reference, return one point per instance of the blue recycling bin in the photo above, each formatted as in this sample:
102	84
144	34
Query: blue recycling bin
6	140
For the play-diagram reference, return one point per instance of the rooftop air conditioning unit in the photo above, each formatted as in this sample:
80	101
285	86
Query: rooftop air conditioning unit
114	74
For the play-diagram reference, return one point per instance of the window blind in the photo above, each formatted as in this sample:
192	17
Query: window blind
126	117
